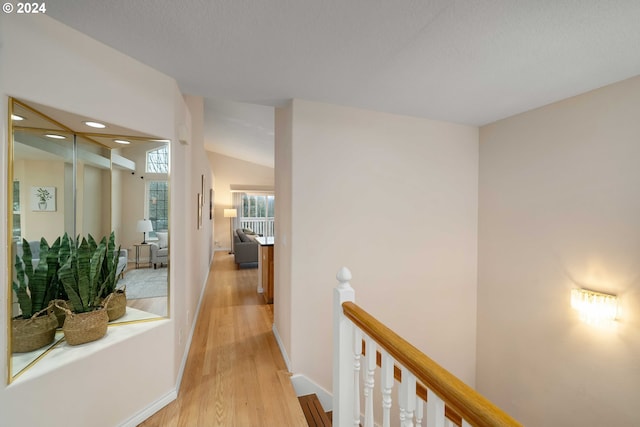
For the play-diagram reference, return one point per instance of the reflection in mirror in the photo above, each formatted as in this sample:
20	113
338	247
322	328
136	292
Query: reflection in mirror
66	180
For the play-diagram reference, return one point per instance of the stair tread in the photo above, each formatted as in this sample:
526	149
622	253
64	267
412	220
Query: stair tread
313	411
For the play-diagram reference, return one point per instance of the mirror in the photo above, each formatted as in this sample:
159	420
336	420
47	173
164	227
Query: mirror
68	179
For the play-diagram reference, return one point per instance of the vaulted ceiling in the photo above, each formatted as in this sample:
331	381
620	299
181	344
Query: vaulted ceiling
465	61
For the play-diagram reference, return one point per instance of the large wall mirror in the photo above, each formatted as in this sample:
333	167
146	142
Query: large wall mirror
68	177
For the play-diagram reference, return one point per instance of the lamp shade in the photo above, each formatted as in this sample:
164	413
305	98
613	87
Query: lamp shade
144	225
230	213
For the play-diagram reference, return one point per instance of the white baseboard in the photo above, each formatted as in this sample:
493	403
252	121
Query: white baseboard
187	347
285	356
304	385
151	409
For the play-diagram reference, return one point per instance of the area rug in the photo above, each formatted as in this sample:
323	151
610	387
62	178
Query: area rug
145	283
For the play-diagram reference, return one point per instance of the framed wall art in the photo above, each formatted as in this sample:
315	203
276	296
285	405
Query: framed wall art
43	199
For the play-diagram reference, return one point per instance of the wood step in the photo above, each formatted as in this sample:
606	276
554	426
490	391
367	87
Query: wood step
313	411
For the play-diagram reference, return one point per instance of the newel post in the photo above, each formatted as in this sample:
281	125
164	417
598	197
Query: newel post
343	384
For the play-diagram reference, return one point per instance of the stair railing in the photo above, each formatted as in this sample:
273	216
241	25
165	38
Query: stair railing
422	381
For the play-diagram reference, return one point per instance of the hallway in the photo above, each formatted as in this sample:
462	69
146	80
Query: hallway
235	374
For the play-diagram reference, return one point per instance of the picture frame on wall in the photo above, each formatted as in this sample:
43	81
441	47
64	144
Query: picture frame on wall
199	211
202	189
211	194
43	199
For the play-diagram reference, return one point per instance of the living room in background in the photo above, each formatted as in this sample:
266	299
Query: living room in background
257	213
157	190
158	206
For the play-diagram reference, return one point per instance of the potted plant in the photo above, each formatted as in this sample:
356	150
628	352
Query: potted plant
116	298
35	288
87	319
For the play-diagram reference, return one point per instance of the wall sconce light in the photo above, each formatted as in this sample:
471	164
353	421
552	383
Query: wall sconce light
594	307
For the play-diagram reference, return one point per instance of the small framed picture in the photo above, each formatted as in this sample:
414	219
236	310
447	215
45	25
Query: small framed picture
199	211
211	193
43	199
202	189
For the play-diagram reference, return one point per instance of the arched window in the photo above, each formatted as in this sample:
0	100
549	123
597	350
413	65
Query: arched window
158	160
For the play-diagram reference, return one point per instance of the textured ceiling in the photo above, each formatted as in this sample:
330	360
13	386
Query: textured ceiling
473	61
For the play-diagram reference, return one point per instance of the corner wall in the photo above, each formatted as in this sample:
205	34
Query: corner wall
394	199
560	209
46	62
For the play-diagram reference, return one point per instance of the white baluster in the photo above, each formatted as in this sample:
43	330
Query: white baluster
465	424
408	397
435	410
386	378
419	411
402	401
357	351
343	391
369	382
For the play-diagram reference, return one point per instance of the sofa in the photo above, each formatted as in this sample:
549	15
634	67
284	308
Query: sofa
160	249
245	247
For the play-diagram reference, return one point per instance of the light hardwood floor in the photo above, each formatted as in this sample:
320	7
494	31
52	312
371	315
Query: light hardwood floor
235	374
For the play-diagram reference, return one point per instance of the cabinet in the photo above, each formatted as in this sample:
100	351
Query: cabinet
265	267
267	273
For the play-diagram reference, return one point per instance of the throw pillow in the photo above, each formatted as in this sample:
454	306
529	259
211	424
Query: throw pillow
163	239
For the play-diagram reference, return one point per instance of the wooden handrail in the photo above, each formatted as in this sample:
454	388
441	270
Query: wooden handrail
462	399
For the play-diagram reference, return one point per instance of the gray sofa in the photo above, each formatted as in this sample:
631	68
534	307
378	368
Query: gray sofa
245	248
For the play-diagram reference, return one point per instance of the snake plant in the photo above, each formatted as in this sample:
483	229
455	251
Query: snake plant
35	288
88	270
80	275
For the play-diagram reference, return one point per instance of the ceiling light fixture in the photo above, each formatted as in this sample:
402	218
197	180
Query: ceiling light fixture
16	117
96	125
122	141
55	136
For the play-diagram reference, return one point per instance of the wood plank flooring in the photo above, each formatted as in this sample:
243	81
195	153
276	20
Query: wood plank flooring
235	374
313	411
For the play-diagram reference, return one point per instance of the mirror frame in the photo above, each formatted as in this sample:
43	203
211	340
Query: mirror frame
87	136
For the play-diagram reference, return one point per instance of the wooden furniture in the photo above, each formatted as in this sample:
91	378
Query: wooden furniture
265	268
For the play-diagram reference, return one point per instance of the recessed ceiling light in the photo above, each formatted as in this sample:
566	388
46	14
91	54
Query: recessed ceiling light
95	125
16	117
122	141
162	140
55	136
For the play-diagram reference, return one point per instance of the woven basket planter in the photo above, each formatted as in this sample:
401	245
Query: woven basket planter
34	333
85	327
116	305
59	307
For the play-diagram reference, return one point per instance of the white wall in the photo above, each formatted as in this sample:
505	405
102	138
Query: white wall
393	198
559	209
45	62
282	308
30	173
232	171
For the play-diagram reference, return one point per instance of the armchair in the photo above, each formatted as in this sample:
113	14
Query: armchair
160	249
123	259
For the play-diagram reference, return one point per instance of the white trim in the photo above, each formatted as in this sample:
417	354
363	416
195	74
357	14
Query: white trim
151	409
303	386
285	356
